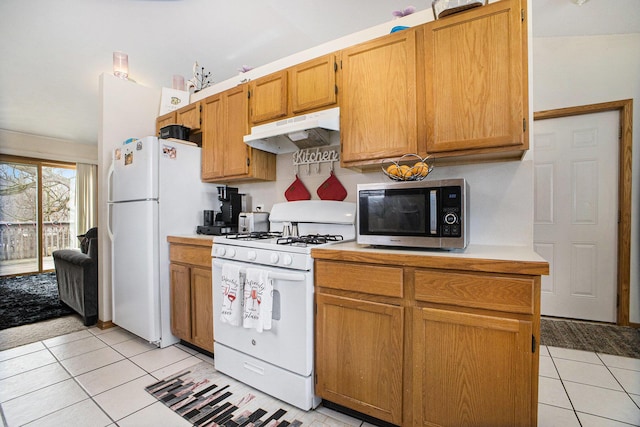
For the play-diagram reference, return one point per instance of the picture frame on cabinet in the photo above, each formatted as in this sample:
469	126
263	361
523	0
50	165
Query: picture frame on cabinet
172	99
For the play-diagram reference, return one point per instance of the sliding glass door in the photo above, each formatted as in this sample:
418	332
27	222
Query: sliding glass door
37	210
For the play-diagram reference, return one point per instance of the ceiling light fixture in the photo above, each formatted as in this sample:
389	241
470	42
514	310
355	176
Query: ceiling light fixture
579	2
121	65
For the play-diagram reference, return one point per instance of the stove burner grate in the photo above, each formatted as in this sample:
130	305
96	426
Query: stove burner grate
255	235
310	239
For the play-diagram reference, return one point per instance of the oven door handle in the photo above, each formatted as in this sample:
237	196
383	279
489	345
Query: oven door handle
291	277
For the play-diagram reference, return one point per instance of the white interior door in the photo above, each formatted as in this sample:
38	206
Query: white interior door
576	214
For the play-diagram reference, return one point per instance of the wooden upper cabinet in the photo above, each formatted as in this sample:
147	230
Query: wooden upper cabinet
308	86
236	152
212	138
165	120
269	97
312	84
476	80
225	156
189	116
378	99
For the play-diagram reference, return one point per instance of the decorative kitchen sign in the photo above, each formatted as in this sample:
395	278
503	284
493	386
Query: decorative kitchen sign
315	156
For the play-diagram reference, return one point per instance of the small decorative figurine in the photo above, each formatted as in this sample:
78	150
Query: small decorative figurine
406	11
200	78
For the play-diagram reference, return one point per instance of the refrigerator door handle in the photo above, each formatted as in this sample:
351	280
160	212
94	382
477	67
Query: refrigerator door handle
109	231
109	181
109	197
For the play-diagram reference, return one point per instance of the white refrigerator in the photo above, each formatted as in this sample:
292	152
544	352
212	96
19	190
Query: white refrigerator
155	191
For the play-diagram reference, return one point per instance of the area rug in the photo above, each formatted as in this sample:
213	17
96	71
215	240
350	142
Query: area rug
40	331
596	337
29	299
205	397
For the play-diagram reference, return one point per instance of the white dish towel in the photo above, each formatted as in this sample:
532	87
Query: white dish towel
232	295
258	300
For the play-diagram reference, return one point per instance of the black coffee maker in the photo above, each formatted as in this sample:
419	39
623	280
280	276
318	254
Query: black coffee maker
226	220
231	204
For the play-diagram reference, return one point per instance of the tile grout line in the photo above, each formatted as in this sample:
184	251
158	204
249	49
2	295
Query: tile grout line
89	397
590	385
618	381
575	413
74	377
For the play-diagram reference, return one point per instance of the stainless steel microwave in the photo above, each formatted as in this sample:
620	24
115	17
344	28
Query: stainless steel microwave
418	214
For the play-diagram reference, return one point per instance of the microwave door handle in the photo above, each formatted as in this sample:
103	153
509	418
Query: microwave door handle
433	211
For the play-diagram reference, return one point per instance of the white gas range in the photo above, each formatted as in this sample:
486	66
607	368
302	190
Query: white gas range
278	361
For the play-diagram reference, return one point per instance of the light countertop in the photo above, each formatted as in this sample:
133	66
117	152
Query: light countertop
192	239
488	258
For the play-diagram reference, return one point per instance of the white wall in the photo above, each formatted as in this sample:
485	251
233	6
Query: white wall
572	71
501	194
42	147
127	110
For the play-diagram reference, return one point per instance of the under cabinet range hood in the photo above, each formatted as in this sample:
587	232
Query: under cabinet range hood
305	131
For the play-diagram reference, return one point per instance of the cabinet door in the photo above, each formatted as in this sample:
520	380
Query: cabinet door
212	138
202	308
471	369
269	97
236	152
359	355
378	99
189	116
180	283
476	79
313	84
165	120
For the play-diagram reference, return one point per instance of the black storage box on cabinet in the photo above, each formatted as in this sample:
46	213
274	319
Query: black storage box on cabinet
175	132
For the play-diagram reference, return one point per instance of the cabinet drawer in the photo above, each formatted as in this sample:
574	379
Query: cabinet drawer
499	293
368	279
187	254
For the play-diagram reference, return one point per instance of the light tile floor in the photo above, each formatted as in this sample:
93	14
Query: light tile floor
97	377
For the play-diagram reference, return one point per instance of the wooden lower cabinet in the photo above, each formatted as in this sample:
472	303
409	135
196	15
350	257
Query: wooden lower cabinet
180	282
359	355
201	308
191	292
436	346
471	369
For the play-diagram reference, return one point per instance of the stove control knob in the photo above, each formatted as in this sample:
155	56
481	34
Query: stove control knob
287	260
220	251
231	253
274	258
251	255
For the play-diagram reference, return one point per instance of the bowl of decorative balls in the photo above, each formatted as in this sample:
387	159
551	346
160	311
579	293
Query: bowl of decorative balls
409	167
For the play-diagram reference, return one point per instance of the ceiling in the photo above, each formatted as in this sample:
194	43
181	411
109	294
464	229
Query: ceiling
53	51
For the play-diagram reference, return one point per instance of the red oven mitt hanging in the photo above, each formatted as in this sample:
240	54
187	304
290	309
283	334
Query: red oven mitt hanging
297	191
332	189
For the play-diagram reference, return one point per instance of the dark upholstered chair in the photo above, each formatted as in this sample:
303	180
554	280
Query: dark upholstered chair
77	275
